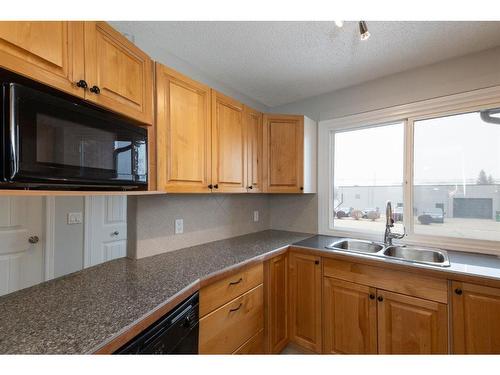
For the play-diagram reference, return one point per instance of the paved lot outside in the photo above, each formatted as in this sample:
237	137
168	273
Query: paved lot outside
452	227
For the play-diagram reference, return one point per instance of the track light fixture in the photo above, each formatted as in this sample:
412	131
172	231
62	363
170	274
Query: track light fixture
363	30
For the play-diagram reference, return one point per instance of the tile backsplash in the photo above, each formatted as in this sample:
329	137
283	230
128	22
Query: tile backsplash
206	218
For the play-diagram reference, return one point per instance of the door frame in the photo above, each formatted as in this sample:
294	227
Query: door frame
49	205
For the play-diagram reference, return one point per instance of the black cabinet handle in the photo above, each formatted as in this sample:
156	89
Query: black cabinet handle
380	298
236	282
372	296
250	187
236	309
216	186
302	188
458	291
316	262
96	90
210	186
82	84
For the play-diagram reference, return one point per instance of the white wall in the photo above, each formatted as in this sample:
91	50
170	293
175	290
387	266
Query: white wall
461	74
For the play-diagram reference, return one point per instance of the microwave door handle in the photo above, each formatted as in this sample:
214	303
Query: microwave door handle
14	135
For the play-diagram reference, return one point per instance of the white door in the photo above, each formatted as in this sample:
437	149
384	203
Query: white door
105	229
21	243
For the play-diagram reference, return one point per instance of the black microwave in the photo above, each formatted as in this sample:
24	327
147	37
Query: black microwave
52	140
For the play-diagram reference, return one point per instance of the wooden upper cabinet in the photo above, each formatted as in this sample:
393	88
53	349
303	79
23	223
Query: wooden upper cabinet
476	319
229	164
121	72
283	153
49	52
409	325
253	125
349	318
276	302
305	300
183	132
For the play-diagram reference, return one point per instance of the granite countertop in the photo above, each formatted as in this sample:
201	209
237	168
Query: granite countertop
78	312
469	264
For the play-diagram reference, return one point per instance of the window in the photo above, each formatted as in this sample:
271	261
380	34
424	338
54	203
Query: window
457	176
368	171
437	161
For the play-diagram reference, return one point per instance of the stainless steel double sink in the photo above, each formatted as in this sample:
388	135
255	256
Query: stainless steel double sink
411	254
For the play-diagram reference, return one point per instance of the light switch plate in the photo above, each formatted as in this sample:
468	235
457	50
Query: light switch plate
75	218
256	216
179	226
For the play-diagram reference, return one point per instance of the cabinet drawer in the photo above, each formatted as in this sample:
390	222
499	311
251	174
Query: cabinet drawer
253	346
227	328
396	281
225	290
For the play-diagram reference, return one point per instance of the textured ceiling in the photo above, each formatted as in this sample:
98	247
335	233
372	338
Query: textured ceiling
276	63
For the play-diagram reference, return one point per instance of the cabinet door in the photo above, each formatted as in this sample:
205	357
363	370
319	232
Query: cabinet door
349	318
121	71
476	319
409	325
253	125
48	52
183	133
276	303
283	153
228	145
305	300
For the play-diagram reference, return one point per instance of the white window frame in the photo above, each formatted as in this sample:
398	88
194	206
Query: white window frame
409	113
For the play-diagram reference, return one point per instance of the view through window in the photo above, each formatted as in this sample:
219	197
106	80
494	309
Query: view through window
368	171
457	176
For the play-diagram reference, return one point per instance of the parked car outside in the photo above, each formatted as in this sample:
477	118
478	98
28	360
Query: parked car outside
433	215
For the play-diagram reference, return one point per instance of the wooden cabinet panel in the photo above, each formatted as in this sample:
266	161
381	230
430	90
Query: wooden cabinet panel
283	139
183	132
228	145
253	127
49	52
396	281
227	328
475	319
305	300
276	303
349	318
253	346
223	291
122	72
408	325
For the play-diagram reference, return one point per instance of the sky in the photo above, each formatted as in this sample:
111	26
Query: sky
450	150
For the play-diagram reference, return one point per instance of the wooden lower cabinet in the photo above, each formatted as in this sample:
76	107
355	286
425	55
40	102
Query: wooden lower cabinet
475	319
255	345
224	330
276	303
305	300
409	325
349	318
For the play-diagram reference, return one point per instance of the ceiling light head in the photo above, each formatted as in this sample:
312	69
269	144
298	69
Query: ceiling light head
363	30
339	23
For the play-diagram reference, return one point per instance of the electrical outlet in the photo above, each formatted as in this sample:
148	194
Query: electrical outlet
256	216
75	218
179	226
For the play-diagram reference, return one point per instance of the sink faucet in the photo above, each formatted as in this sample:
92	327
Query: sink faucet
389	223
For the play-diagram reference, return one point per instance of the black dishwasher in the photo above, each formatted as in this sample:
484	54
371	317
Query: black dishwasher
174	333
